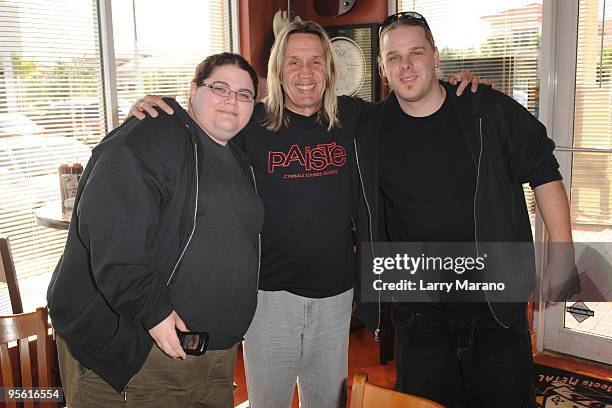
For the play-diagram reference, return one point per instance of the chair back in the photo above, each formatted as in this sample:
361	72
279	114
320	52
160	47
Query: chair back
18	328
9	276
367	395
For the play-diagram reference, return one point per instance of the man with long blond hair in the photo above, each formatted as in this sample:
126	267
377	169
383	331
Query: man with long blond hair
304	161
300	143
326	104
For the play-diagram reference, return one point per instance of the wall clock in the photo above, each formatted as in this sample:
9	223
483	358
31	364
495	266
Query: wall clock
356	48
351	65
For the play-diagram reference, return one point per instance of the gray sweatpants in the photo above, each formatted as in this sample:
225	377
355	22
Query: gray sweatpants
297	338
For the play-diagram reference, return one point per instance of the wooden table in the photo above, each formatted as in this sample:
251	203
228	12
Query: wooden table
50	215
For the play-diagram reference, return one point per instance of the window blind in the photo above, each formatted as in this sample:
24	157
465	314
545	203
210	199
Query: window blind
158	46
50	108
591	190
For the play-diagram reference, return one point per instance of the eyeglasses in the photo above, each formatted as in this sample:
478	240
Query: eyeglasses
221	89
404	15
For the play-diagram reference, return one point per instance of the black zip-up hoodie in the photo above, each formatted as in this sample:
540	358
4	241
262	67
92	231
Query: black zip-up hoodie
509	147
134	215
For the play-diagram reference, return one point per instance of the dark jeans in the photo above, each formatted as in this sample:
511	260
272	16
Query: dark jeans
469	362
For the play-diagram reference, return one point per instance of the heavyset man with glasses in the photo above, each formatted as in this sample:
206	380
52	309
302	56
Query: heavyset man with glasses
451	169
164	236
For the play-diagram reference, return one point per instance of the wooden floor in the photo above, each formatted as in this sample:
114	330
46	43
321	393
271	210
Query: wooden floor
363	356
576	365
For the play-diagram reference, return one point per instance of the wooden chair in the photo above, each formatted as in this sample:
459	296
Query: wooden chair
19	328
8	275
366	395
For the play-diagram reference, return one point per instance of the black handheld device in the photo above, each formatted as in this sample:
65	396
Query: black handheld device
194	343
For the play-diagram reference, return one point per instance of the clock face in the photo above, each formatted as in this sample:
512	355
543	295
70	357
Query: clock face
350	63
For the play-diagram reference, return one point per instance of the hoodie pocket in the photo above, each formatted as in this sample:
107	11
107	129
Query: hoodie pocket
94	326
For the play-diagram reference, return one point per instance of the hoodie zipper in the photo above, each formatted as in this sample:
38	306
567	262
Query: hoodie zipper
475	218
365	199
195	212
258	235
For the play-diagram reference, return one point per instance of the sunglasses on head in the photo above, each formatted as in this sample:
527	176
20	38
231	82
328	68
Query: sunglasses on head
404	15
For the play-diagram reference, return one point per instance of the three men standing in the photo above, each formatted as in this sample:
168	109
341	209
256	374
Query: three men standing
427	166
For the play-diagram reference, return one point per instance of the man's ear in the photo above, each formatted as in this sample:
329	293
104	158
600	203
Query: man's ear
192	91
381	70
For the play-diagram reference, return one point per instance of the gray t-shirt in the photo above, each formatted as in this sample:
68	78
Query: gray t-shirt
220	268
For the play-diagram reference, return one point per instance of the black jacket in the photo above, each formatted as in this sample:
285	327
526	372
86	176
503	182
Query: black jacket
509	147
133	219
